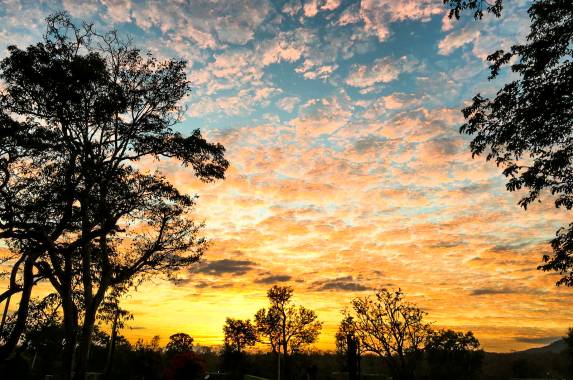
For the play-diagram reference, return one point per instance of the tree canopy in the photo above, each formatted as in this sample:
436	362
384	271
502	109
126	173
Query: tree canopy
239	334
179	343
527	128
392	328
453	355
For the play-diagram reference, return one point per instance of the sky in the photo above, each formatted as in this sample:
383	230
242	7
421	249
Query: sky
348	172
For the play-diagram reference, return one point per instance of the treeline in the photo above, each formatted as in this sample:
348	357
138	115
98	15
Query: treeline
380	336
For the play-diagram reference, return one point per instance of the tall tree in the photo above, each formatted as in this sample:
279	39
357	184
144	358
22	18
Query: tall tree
391	328
527	128
287	328
78	111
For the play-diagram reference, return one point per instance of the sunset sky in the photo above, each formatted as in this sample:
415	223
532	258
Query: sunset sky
348	173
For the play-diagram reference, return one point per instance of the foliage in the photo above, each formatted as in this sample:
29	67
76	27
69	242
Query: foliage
179	343
239	334
526	129
453	355
478	6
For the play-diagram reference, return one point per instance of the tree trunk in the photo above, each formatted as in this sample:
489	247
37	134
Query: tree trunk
352	357
83	345
6	306
111	351
22	313
70	321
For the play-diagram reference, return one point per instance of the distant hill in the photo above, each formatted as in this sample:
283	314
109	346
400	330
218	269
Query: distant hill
555	347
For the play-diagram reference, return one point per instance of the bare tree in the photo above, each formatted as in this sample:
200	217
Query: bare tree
391	328
285	327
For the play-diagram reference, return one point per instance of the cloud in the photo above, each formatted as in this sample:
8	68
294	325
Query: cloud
384	70
225	266
273	279
537	340
457	39
378	14
316	72
288	103
493	291
345	283
322	117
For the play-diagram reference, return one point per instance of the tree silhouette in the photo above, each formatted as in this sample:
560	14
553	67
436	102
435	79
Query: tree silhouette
348	345
77	112
285	327
453	355
391	328
239	334
179	343
527	129
478	6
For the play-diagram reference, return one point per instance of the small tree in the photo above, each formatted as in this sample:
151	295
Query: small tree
348	346
453	355
285	327
179	343
391	328
239	334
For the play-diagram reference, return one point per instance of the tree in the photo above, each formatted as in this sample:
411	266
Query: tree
285	327
391	328
239	334
77	112
348	345
453	355
179	343
527	128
